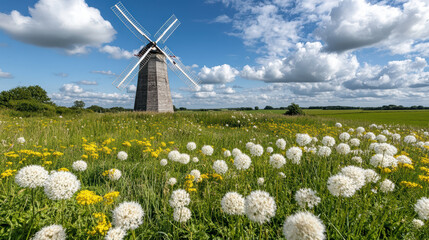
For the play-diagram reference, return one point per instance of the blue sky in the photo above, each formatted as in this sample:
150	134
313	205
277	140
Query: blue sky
246	52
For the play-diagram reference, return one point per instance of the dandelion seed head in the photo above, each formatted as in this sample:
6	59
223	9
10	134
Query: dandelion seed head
303	139
61	185
357	174
32	176
220	166
191	146
260	207
236	152
242	162
122	155
163	162
422	208
344	136
303	225
294	154
116	233
340	185
179	198
233	203
207	150
182	214
52	232
328	141
387	186
307	197
281	143
343	148
79	165
324	151
128	215
174	155
277	160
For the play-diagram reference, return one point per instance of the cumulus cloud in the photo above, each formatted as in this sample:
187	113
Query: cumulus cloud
131	88
218	74
71	88
309	63
222	19
5	74
85	82
67	24
117	52
109	73
357	23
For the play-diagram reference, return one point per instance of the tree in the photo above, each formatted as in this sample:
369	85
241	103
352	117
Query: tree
33	93
268	107
78	104
256	108
294	109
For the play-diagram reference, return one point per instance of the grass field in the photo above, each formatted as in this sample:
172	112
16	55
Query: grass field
372	211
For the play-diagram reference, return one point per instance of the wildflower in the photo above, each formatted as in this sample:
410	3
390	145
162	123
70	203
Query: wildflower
410	139
306	197
110	197
324	151
417	223
86	197
195	159
357	159
294	154
396	137
171	181
126	144
196	174
242	162
122	155
378	160
226	153
21	140
256	150
387	186
303	225
32	176
261	181
270	149
344	137
220	166
381	138
128	215
404	159
371	176
260	207
341	185
191	146
174	155
249	145
182	214
411	184
338	125
56	232
370	136
386	149
422	208
116	233
113	174
281	143
61	185
179	198
277	160
163	162
360	130
207	150
328	141
63	170
233	203
282	174
357	174
354	142
184	158
7	173
79	166
303	139
236	152
343	148
102	226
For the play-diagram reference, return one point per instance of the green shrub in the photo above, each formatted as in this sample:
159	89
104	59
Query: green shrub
30	106
294	109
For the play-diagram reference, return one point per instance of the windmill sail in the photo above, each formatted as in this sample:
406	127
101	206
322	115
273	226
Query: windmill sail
131	22
167	29
137	63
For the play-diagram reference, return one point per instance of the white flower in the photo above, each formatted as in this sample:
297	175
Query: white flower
417	223
360	130
236	152
303	139
116	233
404	159
260	206
195	159
386	149
422	208
128	215
306	197
277	160
184	158
370	136
357	159
227	153
282	174
21	140
381	138
341	185
182	214
372	146
79	165
354	142
261	181
371	176
344	137
387	186
303	225
396	137
257	150
410	139
328	141
122	155
314	140
220	166
242	162
191	146
233	203
32	176
174	155
324	151
357	174
163	162
270	149
378	160
343	148
61	185
114	174
196	173
179	198
294	154
281	143
52	232
338	125
249	145
171	181
207	150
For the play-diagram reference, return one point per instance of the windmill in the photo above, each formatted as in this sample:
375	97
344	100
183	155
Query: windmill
153	89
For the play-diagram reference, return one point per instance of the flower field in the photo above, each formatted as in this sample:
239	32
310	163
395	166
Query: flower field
211	175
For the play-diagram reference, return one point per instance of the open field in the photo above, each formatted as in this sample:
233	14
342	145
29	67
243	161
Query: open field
416	118
364	207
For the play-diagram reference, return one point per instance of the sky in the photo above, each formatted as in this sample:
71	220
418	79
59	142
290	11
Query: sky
247	53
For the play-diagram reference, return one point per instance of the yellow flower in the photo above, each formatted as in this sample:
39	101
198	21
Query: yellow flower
103	225
406	165
110	197
424	178
411	184
126	144
63	170
7	173
86	197
84	156
386	170
57	154
217	176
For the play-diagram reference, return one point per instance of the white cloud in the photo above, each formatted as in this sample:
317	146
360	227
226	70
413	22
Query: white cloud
67	24
63	75
117	52
71	88
307	64
218	74
85	82
175	95
131	88
109	73
357	23
222	19
5	74
205	94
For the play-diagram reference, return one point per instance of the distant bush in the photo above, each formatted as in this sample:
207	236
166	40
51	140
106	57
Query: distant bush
268	107
294	109
30	106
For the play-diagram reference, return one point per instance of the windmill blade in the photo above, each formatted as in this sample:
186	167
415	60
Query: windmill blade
179	69
167	29
123	80
131	22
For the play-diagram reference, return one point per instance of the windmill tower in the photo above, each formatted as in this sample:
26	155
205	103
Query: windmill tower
150	64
